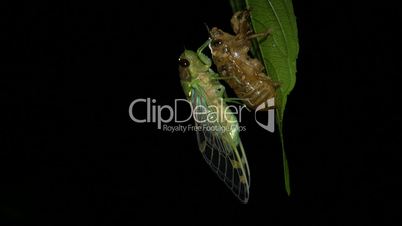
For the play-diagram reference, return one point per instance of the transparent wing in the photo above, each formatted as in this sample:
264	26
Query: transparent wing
226	158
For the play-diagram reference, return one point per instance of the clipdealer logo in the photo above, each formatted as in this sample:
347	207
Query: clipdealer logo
163	114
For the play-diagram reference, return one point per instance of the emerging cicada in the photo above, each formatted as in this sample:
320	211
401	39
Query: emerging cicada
218	137
245	75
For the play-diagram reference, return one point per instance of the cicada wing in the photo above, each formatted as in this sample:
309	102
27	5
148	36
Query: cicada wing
225	158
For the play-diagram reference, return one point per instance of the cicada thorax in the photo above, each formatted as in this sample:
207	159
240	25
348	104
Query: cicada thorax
245	75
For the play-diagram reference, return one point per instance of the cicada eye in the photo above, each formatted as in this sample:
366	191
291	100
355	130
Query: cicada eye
184	62
217	42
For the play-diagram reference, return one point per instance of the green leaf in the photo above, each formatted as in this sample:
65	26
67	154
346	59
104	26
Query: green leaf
278	52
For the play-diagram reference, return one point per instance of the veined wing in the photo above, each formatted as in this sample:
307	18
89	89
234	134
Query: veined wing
226	158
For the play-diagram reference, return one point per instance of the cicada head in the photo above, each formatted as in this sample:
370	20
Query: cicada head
190	66
220	42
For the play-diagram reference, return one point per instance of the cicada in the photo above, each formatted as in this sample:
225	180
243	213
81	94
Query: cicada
216	127
245	75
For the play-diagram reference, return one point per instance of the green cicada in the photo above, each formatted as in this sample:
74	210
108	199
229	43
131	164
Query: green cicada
216	127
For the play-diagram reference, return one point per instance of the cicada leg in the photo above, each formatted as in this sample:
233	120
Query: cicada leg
220	89
240	22
264	35
201	56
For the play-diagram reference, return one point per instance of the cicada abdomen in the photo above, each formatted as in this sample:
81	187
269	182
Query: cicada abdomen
245	75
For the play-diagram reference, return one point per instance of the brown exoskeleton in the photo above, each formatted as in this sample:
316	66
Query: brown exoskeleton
245	75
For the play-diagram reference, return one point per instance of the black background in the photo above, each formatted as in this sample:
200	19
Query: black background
70	153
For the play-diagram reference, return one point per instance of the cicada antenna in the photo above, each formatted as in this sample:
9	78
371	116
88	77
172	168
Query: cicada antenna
206	26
